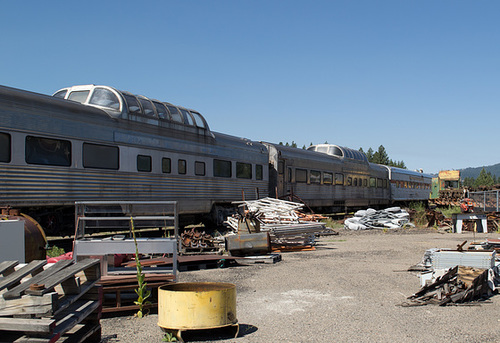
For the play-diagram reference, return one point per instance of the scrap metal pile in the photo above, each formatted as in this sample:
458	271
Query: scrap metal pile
390	218
459	284
284	221
194	239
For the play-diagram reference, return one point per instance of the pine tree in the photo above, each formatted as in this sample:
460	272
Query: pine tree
484	179
369	155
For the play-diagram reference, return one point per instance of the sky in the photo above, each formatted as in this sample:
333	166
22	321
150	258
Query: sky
421	78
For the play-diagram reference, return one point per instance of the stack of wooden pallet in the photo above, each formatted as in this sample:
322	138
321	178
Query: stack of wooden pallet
50	303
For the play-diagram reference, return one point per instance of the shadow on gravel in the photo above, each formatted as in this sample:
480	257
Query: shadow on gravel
217	334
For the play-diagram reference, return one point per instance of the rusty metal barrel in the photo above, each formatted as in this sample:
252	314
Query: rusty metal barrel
34	236
248	244
196	305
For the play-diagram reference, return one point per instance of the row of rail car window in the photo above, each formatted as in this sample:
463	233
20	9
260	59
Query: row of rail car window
107	98
57	152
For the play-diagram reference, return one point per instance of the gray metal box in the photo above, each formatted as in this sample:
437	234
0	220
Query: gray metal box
12	240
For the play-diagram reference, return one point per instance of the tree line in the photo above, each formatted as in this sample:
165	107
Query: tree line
380	156
484	179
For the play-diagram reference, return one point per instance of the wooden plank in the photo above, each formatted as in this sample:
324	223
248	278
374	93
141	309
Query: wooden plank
43	325
68	273
17	291
7	267
65	321
65	301
44	305
33	268
87	331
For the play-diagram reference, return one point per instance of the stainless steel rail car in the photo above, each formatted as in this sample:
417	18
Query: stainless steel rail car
112	145
327	177
407	185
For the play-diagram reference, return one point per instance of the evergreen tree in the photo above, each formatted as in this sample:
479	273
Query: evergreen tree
382	156
484	179
293	145
369	155
468	181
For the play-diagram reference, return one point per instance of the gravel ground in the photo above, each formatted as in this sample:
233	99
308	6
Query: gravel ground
347	290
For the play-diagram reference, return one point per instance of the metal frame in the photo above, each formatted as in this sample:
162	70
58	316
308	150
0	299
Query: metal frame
135	211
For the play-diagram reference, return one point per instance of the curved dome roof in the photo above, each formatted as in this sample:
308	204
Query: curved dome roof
339	151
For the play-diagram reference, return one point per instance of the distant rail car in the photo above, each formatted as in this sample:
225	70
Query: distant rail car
91	143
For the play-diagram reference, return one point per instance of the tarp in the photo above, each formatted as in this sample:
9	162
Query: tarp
390	218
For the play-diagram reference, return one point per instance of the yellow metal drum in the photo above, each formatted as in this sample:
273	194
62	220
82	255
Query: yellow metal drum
196	305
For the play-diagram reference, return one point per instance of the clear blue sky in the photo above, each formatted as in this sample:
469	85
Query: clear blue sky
420	78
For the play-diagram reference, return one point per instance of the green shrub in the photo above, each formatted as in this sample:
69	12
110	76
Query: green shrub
55	251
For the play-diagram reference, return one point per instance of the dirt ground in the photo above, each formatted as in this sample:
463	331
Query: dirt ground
348	290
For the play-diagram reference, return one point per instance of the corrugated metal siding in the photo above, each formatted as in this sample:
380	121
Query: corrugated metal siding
40	185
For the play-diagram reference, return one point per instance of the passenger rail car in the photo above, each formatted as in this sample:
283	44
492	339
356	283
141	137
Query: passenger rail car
407	185
328	177
54	152
89	143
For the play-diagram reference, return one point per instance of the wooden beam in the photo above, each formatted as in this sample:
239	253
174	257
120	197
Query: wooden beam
43	325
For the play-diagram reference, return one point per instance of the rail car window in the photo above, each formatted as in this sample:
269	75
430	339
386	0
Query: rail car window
315	176
385	183
199	168
222	168
243	170
290	176
349	181
147	107
181	167
104	97
47	151
78	96
379	183
161	110
5	147
300	175
373	182
355	182
198	119
143	163
187	117
176	115
327	178
259	172
339	179
61	94
132	104
365	183
100	156
166	165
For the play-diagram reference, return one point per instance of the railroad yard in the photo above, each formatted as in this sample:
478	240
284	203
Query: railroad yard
349	289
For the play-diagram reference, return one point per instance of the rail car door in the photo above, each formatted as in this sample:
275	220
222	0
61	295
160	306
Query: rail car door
281	178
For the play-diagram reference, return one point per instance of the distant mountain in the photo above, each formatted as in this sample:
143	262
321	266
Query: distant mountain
474	172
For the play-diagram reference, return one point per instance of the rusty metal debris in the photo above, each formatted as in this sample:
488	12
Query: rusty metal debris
195	239
459	285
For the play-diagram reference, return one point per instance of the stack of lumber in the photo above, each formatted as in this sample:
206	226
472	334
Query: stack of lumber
50	303
286	224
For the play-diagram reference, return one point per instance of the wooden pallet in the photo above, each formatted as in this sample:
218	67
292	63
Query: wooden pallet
60	303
